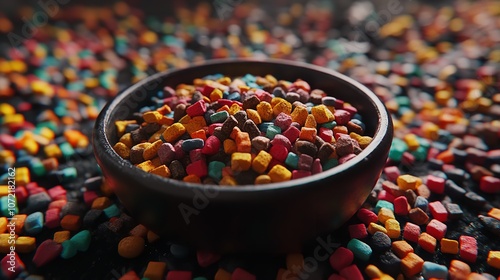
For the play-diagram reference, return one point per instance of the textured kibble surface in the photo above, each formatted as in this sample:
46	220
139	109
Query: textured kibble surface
433	214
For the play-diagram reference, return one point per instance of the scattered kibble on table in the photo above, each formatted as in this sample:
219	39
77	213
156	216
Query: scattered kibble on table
243	130
433	214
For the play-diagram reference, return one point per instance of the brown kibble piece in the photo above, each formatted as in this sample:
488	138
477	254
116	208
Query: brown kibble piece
131	247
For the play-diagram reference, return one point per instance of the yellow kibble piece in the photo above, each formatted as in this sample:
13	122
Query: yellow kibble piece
261	161
228	181
282	106
299	115
279	174
3	224
229	146
152	150
373	271
184	120
122	150
173	132
385	214
373	227
265	111
442	97
122	125
408	182
195	124
25	244
215	95
241	161
393	228
449	246
42	87
254	116
322	114
126	139
152	116
310	122
22	176
235	108
61	236
31	146
192	179
147	166
4	190
162	171
412	141
47	133
262	179
494	259
7	109
13	119
430	130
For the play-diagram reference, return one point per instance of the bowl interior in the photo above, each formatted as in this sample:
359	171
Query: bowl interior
334	84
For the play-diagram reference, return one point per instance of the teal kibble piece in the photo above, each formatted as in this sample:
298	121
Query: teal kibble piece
34	223
398	147
420	153
403	101
272	131
360	249
179	251
112	211
434	270
329	125
68	174
6	209
192	144
81	240
215	169
384	204
264	126
200	278
68	249
423	142
219	117
49	124
292	160
330	163
36	167
66	150
234	96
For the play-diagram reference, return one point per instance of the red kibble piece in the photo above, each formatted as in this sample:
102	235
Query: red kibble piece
198	168
205	259
435	184
392	173
207	89
346	158
292	133
212	146
279	152
392	188
241	274
195	155
212	127
385	195
21	194
411	232
326	134
401	206
342	117
52	219
89	197
46	252
438	211
179	275
341	258
352	273
197	109
336	277
131	275
7	141
58	204
489	184
408	159
436	229
6	264
366	216
297	174
468	248
57	192
358	231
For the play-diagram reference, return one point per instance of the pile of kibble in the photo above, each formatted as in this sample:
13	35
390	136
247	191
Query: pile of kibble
435	212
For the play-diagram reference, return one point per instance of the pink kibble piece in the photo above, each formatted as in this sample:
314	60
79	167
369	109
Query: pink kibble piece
341	258
435	184
316	166
438	211
282	140
52	218
279	152
342	117
346	158
351	272
468	248
335	276
401	206
436	228
392	173
385	195
47	251
489	184
292	133
205	259
6	264
166	153
196	109
326	134
212	145
283	121
198	168
56	193
358	231
411	232
241	274
297	174
89	197
366	216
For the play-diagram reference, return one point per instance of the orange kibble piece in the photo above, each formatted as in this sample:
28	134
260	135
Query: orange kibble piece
310	122
241	161
280	105
61	236
234	132
200	134
446	156
162	171
155	270
427	242
412	264
215	95
71	222
223	108
401	248
122	150
340	129
222	274
408	182
294	262
19	222
263	179
458	270
131	247
307	133
147	166
373	227
139	230
494	213
126	139
229	146
101	203
430	130
165	109
151	151
173	132
152	116
265	111
228	181
476	276
385	214
243	143
192	178
449	246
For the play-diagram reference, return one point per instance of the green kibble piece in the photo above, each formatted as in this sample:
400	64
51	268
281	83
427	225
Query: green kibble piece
272	131
292	160
7	209
403	101
330	163
329	125
383	204
68	174
81	240
360	249
420	153
398	147
215	169
68	250
67	150
219	117
37	167
112	211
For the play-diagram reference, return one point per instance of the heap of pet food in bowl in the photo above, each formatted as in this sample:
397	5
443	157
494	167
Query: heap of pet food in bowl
242	131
